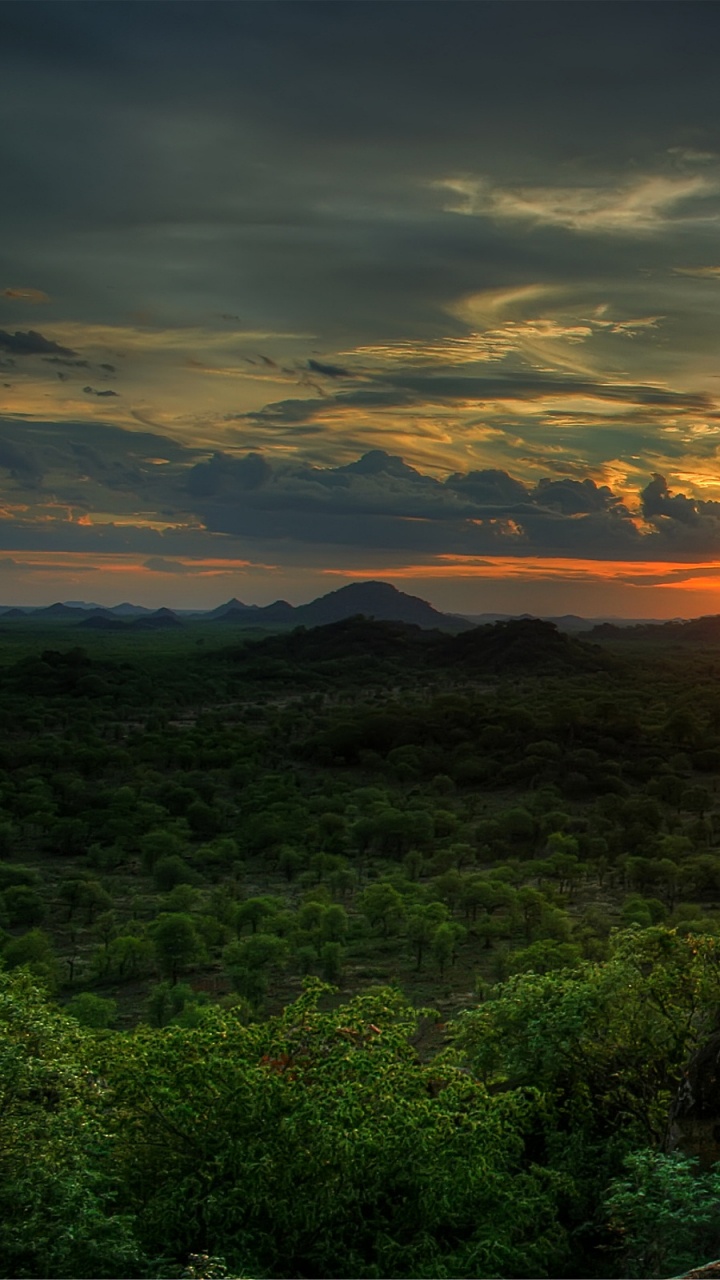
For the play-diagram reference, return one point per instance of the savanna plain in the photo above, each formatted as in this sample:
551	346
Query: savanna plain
357	951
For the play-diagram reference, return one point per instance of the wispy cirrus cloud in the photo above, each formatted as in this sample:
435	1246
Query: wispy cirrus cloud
645	205
700	273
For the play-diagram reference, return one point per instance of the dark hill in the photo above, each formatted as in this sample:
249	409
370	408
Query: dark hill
233	606
162	619
358	648
11	615
279	612
129	610
378	600
353	639
522	644
102	622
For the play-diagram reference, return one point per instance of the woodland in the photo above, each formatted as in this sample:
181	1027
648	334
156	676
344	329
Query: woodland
356	951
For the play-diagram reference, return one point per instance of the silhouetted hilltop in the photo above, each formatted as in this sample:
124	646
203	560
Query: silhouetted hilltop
233	606
377	600
160	620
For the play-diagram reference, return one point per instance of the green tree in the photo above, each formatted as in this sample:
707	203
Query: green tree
444	944
91	1010
255	911
34	951
382	905
421	924
176	943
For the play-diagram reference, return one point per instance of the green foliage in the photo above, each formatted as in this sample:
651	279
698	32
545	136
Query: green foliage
176	943
366	1162
664	1214
91	1010
58	1214
34	951
23	905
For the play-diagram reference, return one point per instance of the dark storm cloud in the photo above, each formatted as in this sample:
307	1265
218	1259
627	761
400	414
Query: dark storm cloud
22	463
30	344
110	457
229	504
687	525
328	370
90	391
71	364
380	502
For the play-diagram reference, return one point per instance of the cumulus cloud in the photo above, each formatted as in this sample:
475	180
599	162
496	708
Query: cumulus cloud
379	502
684	525
98	487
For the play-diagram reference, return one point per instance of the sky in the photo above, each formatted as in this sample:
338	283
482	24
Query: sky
297	294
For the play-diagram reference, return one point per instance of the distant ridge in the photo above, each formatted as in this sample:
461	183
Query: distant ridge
59	611
705	630
371	599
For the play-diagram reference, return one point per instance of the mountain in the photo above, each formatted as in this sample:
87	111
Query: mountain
12	614
377	600
231	606
161	620
128	610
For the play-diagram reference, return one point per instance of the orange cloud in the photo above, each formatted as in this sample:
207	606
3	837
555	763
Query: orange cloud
25	295
637	573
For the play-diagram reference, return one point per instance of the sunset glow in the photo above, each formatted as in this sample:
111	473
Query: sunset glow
292	312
